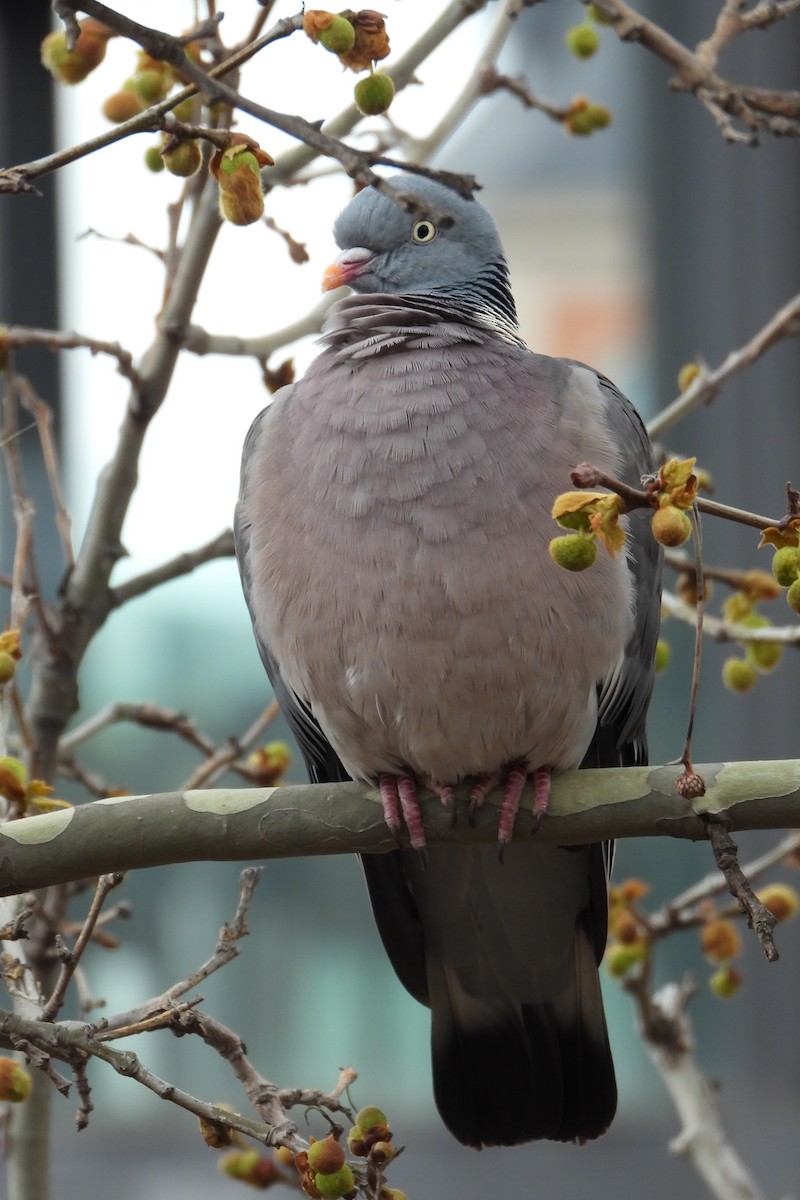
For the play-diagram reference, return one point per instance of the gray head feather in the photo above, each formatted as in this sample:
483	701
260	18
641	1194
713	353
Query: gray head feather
455	253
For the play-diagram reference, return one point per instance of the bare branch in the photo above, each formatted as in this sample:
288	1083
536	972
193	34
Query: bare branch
707	385
70	961
225	757
727	631
586	475
715	883
43	416
669	1040
759	918
224	952
148	715
52	339
220	546
757	109
197	341
124	833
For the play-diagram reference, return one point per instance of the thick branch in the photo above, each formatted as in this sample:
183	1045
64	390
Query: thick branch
670	1044
757	109
146	831
88	598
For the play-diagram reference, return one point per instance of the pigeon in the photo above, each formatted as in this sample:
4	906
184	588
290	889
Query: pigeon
392	533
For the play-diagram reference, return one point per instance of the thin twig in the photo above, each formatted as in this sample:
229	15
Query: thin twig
227	754
220	546
697	657
53	339
729	631
707	385
586	475
759	918
105	884
43	416
224	952
775	111
712	884
148	715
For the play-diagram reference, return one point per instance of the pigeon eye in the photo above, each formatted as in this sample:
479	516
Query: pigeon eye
423	231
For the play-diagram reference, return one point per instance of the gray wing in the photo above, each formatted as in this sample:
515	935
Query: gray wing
321	760
624	696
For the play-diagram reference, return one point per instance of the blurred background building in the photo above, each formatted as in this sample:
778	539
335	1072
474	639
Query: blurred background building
636	250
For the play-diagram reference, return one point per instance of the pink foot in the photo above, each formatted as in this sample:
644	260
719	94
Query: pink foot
447	795
480	790
515	780
541	794
399	797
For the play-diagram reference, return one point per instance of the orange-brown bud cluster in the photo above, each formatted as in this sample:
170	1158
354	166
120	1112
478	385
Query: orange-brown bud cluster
237	170
627	930
72	66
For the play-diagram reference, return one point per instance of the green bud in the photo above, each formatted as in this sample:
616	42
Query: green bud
786	565
582	40
374	94
573	552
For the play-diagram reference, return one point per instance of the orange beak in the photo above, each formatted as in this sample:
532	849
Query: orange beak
348	266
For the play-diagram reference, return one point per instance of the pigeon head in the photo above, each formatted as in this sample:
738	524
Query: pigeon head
448	247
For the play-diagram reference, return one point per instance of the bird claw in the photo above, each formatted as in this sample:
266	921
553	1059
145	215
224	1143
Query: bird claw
401	804
516	779
542	777
480	790
446	794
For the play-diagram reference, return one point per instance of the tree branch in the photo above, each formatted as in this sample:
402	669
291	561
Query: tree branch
707	385
669	1040
228	824
757	109
726	631
53	339
220	546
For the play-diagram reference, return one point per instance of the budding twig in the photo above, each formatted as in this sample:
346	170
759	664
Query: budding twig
105	884
686	757
759	918
585	475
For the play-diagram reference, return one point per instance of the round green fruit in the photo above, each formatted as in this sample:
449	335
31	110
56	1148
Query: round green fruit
738	675
372	1120
582	40
573	552
725	982
374	94
764	656
184	159
598	115
793	596
149	85
663	654
339	37
153	160
619	958
335	1183
15	768
786	565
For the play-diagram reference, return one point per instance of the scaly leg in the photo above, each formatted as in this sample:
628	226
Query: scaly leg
399	797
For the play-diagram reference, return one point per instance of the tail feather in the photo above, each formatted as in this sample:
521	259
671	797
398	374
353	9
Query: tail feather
519	1041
